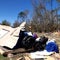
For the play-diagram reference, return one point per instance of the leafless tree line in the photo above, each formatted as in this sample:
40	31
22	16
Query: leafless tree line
45	16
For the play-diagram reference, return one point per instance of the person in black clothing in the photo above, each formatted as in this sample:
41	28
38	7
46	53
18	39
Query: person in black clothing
19	42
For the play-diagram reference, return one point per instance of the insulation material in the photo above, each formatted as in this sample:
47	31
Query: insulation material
8	36
3	32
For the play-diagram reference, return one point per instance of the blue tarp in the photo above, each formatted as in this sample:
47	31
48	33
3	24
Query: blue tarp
52	46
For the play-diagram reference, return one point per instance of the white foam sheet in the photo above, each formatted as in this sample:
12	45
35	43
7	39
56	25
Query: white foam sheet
3	32
11	42
9	37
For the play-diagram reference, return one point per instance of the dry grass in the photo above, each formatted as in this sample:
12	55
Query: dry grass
55	35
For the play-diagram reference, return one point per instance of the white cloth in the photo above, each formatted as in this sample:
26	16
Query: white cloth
29	33
50	40
40	54
38	39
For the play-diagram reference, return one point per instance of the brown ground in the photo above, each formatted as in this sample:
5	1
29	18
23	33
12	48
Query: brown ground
22	56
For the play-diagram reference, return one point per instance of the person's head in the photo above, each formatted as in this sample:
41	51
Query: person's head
43	39
23	29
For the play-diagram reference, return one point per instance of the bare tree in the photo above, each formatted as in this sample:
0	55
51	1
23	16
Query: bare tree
16	23
5	22
46	19
22	15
